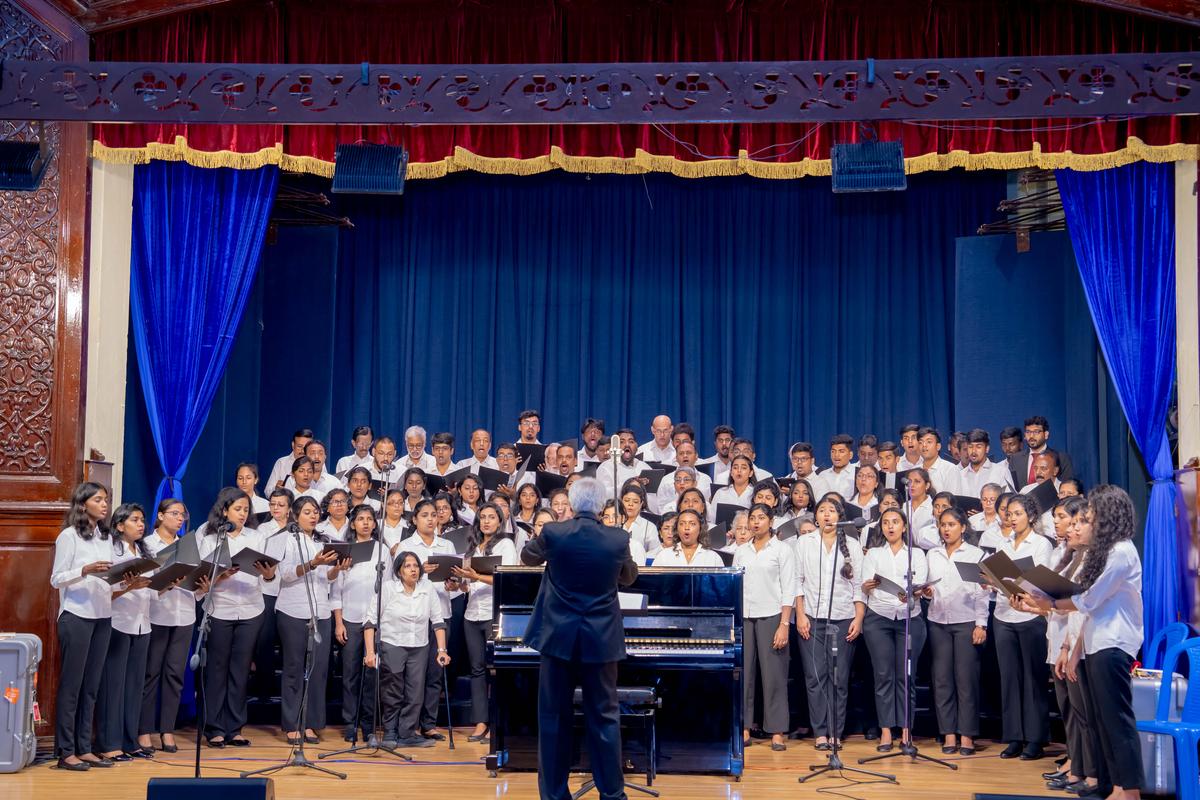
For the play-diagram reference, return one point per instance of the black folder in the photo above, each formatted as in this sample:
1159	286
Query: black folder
547	482
718	536
245	558
653	479
484	565
117	572
458	538
445	566
727	511
532	454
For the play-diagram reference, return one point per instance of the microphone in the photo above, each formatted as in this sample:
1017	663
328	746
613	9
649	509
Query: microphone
292	528
614	446
857	524
225	527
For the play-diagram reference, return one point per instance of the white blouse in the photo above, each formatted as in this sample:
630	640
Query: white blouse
131	611
1112	606
1033	546
293	597
86	596
175	608
407	615
353	591
644	533
817	582
770	580
729	496
240	595
893	565
954	600
337	534
923	526
675	557
479	598
440	547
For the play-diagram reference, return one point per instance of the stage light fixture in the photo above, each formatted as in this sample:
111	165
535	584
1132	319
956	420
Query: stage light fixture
22	164
369	169
869	166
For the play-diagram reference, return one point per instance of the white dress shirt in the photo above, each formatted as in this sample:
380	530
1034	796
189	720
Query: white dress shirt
1039	548
666	490
322	485
923	526
479	598
426	463
240	595
840	482
650	451
604	474
886	563
675	557
770	580
944	476
646	535
980	523
131	611
720	471
474	464
175	607
903	464
816	580
636	552
293	596
729	496
347	463
259	505
954	600
337	534
281	471
85	596
972	481
1112	606
407	615
274	541
353	591
440	547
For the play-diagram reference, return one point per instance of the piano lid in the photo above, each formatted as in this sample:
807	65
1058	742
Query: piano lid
680	589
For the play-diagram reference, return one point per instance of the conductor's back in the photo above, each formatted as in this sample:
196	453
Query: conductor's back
576	626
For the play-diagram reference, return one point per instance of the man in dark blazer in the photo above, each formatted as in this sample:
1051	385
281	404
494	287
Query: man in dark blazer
1037	435
576	626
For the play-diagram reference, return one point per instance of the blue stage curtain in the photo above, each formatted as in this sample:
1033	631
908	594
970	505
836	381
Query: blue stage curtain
1122	226
197	238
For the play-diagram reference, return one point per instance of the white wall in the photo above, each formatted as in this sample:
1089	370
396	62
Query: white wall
108	313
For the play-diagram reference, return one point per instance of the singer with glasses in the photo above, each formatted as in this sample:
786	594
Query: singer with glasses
236	611
306	572
829	617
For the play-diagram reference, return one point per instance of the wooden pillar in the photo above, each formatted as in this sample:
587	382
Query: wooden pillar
42	240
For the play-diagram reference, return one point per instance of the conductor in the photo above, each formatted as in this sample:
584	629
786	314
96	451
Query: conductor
576	626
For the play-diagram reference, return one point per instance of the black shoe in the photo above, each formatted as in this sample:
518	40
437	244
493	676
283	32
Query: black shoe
872	734
1012	751
1059	784
81	766
416	741
1032	752
949	749
823	747
100	762
884	748
214	743
169	748
778	746
140	753
480	738
966	751
1054	775
120	758
238	741
1060	761
1093	791
434	735
314	739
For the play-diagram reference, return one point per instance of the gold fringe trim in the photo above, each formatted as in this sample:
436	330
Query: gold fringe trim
642	162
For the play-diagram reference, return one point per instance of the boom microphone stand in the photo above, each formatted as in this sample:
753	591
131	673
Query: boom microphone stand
199	659
374	743
834	763
297	758
907	748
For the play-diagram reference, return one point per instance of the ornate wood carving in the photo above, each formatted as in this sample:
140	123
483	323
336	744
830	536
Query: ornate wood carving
504	94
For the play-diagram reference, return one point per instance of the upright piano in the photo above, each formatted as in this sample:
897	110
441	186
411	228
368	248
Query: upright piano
687	643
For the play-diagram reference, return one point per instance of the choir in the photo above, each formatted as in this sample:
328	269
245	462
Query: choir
823	551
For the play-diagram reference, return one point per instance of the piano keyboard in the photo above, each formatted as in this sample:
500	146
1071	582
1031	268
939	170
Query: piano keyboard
641	649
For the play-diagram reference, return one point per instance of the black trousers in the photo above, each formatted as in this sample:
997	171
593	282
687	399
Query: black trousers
1113	725
955	678
557	679
402	689
83	647
165	663
1074	711
119	705
226	676
293	637
356	677
433	685
827	673
762	659
1021	653
476	634
266	662
885	641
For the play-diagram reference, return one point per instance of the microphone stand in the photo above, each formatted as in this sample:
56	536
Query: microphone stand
374	743
199	659
297	757
907	748
834	762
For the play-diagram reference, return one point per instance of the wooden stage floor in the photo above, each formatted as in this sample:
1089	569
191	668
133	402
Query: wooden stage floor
442	774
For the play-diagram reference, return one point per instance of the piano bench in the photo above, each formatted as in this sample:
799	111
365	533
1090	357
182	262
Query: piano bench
637	703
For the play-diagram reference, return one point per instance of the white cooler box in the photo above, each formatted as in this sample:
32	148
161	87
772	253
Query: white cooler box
1158	752
20	654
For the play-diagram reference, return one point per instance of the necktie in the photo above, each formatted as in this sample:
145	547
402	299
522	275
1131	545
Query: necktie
1031	475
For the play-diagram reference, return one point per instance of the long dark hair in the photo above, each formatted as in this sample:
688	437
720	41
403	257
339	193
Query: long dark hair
475	537
1032	510
119	517
701	537
536	493
692	490
1071	505
352	517
459	505
299	504
833	500
876	538
812	501
1112	522
225	498
77	516
455	522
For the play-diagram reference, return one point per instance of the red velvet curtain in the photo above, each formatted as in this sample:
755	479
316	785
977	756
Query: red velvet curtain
532	31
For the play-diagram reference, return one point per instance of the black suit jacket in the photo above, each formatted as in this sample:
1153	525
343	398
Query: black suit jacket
577	614
1018	465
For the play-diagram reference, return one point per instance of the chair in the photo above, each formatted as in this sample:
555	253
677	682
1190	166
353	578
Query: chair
1164	640
1186	732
